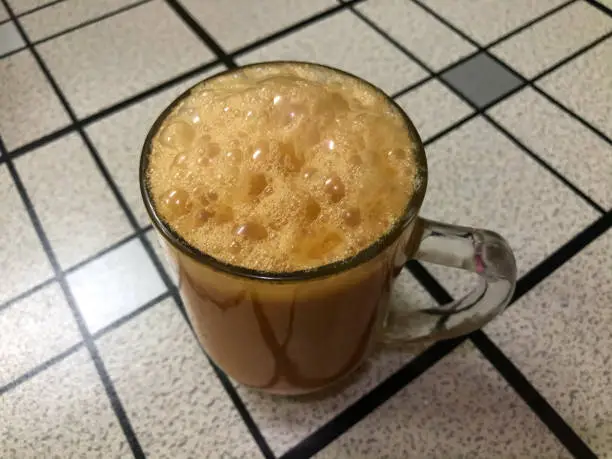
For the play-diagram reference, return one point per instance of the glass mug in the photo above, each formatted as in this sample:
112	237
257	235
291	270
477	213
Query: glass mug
298	332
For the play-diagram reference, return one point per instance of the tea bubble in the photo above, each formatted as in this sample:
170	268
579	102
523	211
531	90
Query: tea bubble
252	231
352	216
334	188
177	135
177	202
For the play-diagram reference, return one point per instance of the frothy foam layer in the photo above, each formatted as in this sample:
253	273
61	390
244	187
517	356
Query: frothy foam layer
282	167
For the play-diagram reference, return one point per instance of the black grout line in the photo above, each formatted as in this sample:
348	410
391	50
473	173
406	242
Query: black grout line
600	6
89	22
452	127
567	110
227	385
538	404
107	250
354	413
529	23
562	254
293	28
89	343
128	317
469	56
16	299
538	159
530	82
244	413
38	8
173	81
40	368
12	52
412	86
570	57
202	34
239	52
40	142
75	267
448	24
481	110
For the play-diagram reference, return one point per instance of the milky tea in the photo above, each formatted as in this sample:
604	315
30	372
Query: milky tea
279	168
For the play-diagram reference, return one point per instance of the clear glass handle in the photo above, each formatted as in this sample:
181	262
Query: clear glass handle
480	251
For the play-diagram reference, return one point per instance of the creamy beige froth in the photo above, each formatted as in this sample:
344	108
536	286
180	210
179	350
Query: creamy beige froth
282	167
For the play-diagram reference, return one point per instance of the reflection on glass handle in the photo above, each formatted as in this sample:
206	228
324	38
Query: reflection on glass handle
480	251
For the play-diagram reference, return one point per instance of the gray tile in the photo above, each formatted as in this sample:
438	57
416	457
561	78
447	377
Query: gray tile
21	6
119	139
487	20
481	79
477	177
22	257
460	408
170	392
284	421
241	22
64	15
421	33
559	336
150	44
583	85
10	39
34	330
568	146
539	47
345	42
61	412
77	209
433	107
115	284
30	108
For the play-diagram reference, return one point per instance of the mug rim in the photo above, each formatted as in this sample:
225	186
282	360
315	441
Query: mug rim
330	269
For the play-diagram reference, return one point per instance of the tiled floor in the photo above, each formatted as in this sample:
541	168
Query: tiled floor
514	102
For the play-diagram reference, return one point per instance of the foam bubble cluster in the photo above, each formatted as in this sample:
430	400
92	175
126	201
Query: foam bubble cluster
282	167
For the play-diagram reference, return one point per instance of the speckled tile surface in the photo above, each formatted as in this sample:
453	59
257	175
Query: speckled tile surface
144	53
30	108
241	22
559	336
3	13
69	408
590	77
114	285
432	42
525	203
432	108
67	14
539	47
96	353
460	408
81	217
119	139
20	248
34	330
561	141
487	20
170	392
346	42
24	6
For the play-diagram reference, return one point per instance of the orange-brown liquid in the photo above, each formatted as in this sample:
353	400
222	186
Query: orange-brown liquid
282	168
